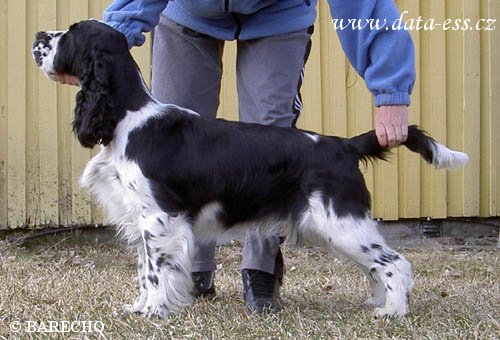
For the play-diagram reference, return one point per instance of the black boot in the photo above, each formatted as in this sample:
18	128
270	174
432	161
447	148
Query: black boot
261	291
203	285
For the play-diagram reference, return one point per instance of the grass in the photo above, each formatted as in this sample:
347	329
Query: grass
68	278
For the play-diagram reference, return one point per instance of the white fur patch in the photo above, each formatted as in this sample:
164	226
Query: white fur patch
207	225
182	109
445	158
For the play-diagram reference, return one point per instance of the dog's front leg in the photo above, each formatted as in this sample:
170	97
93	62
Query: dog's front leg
168	245
140	301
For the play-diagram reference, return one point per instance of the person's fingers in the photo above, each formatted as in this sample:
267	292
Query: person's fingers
390	136
397	135
381	133
404	133
391	125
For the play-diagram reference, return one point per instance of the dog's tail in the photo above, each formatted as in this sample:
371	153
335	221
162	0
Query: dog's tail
368	148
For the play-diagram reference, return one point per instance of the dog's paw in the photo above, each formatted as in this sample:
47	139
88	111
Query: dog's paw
131	309
137	306
155	312
388	312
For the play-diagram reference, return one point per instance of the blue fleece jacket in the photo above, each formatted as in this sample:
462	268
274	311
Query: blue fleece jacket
384	57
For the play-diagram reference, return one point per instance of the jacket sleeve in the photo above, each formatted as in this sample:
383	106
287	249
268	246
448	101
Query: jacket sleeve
134	17
384	57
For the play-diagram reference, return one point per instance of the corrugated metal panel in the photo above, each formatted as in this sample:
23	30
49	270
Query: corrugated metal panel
3	115
456	99
490	112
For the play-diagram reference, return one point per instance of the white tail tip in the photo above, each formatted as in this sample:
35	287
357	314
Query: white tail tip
445	158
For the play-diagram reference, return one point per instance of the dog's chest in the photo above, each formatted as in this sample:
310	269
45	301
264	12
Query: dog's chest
120	187
136	187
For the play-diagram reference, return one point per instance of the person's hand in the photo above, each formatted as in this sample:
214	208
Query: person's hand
391	125
67	79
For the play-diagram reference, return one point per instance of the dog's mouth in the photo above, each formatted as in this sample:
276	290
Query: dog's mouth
37	55
51	75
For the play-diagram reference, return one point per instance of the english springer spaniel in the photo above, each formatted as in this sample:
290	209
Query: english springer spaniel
164	175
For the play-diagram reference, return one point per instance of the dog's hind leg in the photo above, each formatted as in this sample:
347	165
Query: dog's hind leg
168	245
389	273
358	239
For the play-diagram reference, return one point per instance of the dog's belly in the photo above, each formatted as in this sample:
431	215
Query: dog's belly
210	224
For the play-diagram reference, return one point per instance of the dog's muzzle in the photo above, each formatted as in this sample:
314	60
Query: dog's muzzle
42	41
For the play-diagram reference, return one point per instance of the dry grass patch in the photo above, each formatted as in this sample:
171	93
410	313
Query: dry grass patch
66	278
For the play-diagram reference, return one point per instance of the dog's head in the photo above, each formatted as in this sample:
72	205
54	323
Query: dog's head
89	50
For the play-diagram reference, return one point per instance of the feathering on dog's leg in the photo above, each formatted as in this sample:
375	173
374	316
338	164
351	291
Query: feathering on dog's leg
168	244
378	296
140	301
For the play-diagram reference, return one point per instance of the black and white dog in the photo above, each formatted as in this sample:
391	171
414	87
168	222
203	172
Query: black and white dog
165	175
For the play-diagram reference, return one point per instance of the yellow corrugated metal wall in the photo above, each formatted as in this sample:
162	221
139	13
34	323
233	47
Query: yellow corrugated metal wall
456	99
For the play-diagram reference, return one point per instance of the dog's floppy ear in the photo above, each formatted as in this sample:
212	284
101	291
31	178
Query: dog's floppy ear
95	118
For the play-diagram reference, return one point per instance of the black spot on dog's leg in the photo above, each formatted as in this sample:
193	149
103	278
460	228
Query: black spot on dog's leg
132	186
176	267
160	221
388	258
372	271
365	249
384	258
153	279
161	260
148	236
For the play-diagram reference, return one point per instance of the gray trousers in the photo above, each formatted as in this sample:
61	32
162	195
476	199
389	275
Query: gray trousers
187	70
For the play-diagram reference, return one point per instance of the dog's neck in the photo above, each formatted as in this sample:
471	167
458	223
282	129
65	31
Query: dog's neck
128	89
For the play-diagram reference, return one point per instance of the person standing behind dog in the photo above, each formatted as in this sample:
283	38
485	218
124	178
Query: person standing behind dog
273	44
